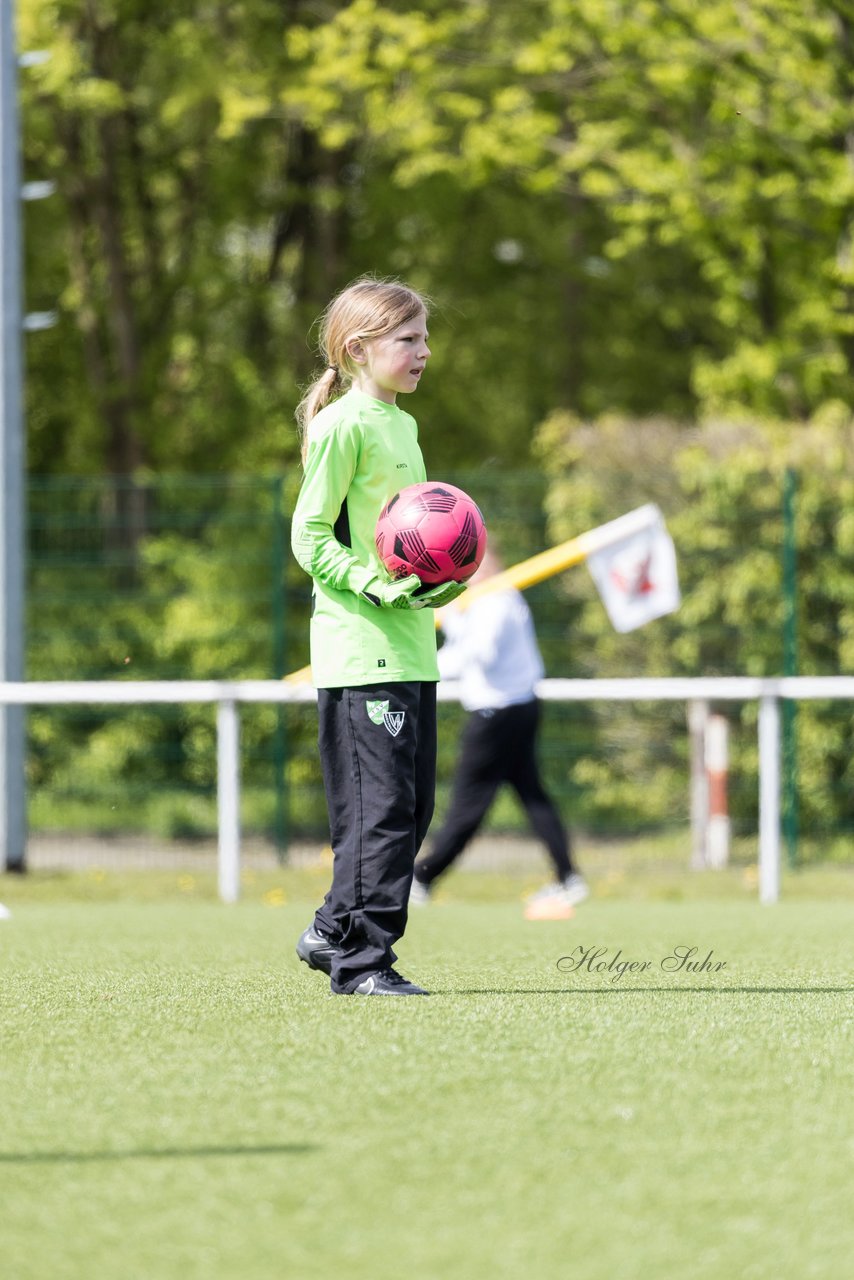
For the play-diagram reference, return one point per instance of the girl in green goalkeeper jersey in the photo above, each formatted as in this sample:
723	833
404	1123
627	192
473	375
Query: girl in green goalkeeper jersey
373	640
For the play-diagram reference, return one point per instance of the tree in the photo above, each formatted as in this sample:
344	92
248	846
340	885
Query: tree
693	169
632	207
157	130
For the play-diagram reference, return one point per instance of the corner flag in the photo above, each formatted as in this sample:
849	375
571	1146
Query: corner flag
637	576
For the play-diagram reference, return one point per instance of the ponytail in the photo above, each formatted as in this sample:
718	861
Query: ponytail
317	396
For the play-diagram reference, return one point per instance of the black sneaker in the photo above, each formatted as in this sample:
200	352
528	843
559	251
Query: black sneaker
316	950
387	983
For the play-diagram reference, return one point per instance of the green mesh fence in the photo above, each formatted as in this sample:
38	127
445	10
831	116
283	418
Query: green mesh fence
192	578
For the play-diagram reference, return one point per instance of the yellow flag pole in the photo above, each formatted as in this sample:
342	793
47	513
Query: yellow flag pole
303	676
527	573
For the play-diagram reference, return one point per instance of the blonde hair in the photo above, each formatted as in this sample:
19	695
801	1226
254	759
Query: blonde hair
367	308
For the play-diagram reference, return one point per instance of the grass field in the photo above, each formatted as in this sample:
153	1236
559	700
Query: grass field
181	1099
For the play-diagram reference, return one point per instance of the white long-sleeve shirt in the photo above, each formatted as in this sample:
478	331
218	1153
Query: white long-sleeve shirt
491	649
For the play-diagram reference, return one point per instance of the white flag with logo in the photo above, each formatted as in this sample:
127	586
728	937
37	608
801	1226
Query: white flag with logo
636	575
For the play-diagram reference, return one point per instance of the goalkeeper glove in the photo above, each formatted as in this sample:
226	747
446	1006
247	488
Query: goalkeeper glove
392	595
438	597
410	593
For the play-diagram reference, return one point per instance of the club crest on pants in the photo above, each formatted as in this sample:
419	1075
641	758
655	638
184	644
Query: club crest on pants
379	713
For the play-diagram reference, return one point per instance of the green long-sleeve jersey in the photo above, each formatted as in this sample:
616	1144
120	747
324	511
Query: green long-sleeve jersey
361	451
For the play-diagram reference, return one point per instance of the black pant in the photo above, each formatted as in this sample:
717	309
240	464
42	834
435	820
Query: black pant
498	746
378	752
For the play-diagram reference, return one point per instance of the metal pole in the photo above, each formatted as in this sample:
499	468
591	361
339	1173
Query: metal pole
228	799
698	718
790	665
769	798
12	468
717	766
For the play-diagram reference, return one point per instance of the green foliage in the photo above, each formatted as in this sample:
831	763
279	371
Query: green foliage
154	128
720	487
626	212
618	207
208	593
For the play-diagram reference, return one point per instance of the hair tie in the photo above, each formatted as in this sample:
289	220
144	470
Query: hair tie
333	368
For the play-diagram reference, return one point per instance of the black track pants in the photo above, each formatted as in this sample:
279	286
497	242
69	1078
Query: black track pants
378	752
498	746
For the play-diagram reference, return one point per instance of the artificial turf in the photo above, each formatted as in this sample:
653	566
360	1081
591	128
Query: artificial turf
180	1098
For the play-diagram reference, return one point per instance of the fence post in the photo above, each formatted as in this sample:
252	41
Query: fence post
698	718
717	765
228	798
790	666
769	798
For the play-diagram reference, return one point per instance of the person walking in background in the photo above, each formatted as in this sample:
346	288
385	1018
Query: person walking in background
373	641
491	648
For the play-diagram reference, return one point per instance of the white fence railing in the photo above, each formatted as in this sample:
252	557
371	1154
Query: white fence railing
227	695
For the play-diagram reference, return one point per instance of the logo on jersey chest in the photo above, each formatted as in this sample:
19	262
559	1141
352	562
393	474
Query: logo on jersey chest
379	713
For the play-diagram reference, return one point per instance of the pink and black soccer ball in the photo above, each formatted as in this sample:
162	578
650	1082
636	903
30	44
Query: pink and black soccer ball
432	529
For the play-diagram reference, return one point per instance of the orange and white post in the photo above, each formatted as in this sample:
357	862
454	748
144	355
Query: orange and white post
717	764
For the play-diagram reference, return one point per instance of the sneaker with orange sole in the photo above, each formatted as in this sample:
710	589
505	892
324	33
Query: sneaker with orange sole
557	901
